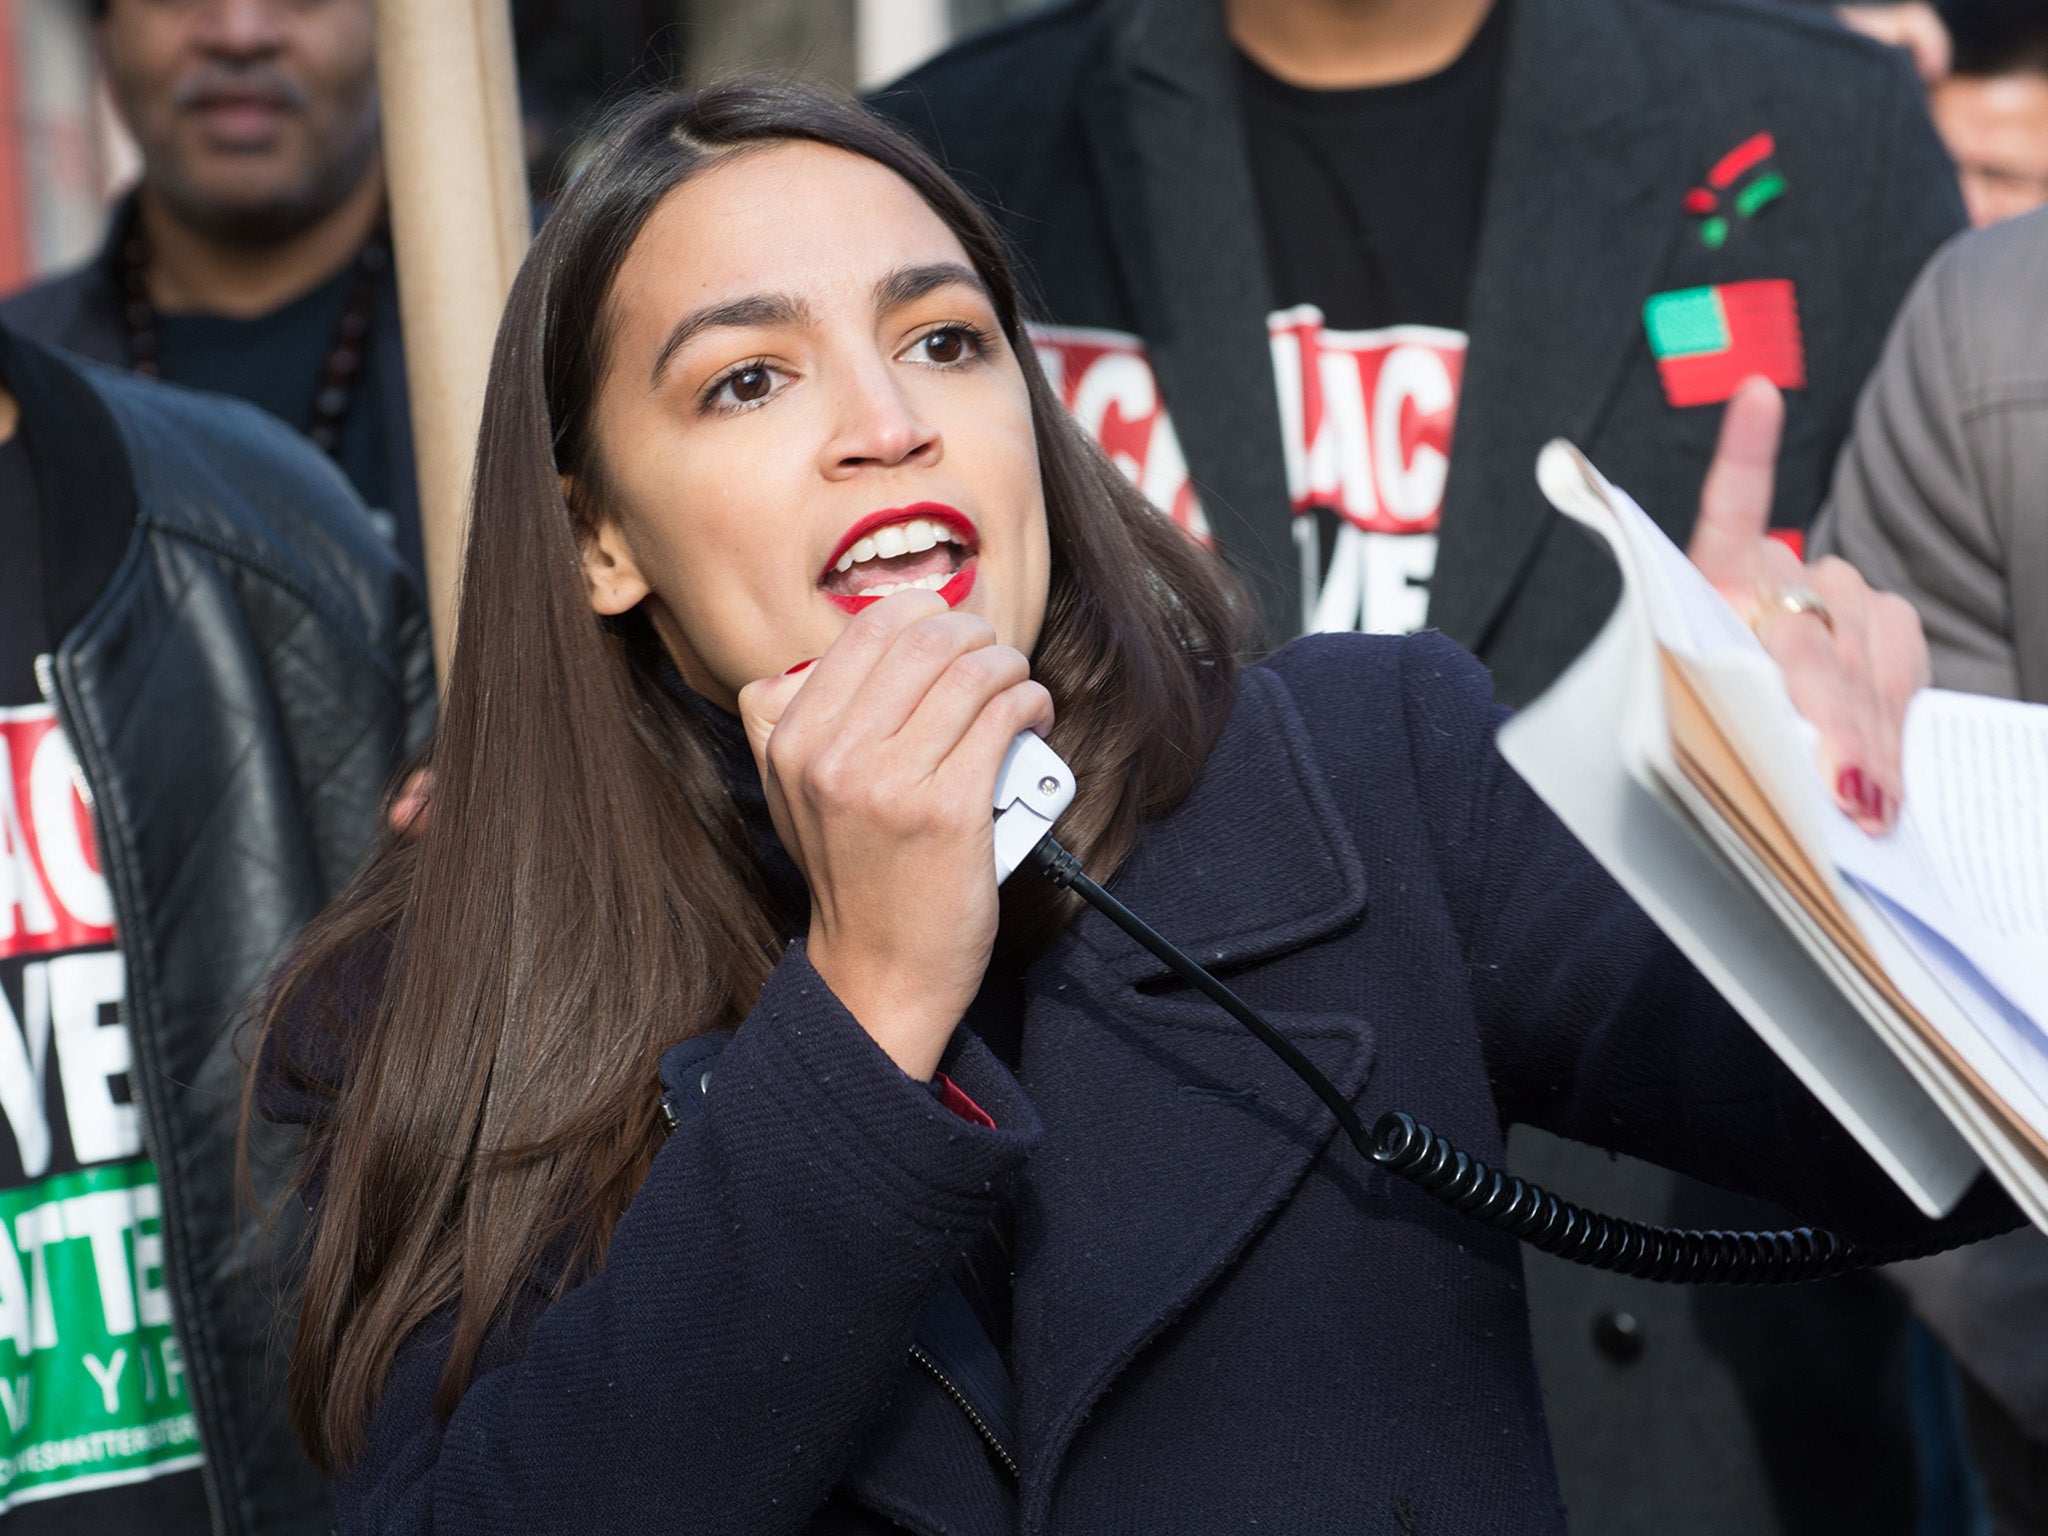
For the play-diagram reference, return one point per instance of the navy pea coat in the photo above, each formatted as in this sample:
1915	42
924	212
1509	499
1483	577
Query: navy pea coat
1222	1318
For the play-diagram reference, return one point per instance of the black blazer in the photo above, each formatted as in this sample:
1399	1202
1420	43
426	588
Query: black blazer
1223	1319
1105	135
241	665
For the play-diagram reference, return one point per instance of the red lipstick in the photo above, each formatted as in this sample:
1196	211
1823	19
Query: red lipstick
930	511
954	592
964	536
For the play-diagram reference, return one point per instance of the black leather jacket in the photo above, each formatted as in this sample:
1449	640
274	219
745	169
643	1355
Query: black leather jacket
242	665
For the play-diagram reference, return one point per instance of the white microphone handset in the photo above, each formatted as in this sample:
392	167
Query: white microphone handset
1032	790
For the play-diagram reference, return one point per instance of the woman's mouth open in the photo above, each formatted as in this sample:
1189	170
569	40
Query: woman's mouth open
925	548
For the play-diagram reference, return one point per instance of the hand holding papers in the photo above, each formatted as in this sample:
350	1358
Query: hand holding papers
1853	658
1891	973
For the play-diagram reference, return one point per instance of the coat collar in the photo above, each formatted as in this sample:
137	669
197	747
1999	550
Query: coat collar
1163	135
1572	239
1256	861
1171	1134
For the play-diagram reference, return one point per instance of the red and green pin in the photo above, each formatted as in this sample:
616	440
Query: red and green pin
1741	184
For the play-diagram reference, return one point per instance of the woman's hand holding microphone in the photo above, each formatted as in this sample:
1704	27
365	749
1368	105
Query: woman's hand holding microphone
880	764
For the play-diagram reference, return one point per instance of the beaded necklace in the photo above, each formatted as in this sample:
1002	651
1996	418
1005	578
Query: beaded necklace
339	370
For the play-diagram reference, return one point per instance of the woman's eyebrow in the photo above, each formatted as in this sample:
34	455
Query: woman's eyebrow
906	285
755	309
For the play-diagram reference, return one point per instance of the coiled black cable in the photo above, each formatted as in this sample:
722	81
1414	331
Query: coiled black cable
1403	1145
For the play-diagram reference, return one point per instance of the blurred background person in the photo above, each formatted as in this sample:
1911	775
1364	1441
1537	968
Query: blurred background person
1914	25
209	666
1324	275
1503	187
1992	109
1985	63
253	257
1942	496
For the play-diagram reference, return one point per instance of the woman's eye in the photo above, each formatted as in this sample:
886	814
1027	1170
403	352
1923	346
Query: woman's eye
750	384
747	385
949	344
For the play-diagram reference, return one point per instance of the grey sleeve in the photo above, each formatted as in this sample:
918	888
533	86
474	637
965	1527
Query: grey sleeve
1909	507
1942	491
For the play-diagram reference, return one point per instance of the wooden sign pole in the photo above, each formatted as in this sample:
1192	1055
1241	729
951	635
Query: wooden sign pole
459	226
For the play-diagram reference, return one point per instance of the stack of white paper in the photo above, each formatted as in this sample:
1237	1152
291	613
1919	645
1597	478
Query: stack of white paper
1899	977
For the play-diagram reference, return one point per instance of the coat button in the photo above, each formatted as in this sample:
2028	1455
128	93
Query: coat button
704	1082
1619	1336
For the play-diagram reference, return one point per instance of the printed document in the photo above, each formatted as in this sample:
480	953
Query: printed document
1900	977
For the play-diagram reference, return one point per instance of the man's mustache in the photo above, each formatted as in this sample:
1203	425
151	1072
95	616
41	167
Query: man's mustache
264	82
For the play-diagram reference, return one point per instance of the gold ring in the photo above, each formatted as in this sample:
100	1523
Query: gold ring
1795	600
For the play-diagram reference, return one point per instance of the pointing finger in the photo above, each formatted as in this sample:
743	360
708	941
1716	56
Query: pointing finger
1735	498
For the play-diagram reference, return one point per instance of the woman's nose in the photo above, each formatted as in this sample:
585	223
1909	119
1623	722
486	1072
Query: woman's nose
878	427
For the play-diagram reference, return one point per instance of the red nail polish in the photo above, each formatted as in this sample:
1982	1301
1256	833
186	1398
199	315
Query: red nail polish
1879	804
792	672
1850	788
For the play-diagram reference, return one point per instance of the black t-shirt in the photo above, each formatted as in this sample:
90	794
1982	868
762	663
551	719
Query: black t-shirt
23	630
1370	200
96	1429
1370	203
274	361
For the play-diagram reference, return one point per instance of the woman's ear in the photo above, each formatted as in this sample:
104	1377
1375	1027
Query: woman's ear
610	572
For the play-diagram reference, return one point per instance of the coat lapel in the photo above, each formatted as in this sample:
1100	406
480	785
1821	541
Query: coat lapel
1172	1135
1573	239
1168	150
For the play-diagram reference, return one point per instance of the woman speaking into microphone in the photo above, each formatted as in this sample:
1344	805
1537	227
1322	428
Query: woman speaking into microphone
700	1140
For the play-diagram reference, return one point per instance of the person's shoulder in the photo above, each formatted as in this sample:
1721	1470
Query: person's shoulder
1873	193
1735	65
73	309
1346	660
1392	721
1353	687
1998	273
1055	34
33	310
234	477
1774	39
989	76
1975	308
266	480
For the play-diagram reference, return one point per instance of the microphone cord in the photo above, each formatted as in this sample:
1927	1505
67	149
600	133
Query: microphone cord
1402	1145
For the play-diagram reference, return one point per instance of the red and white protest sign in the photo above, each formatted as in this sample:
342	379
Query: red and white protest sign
1366	418
1365	430
1106	380
52	894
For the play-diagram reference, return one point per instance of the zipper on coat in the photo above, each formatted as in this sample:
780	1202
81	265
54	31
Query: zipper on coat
980	1424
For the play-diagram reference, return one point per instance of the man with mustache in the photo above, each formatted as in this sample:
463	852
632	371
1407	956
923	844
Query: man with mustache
253	259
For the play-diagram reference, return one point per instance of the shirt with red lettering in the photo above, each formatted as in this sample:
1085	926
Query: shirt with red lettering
96	1426
1370	204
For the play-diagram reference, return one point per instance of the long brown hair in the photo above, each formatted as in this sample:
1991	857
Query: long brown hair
583	893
